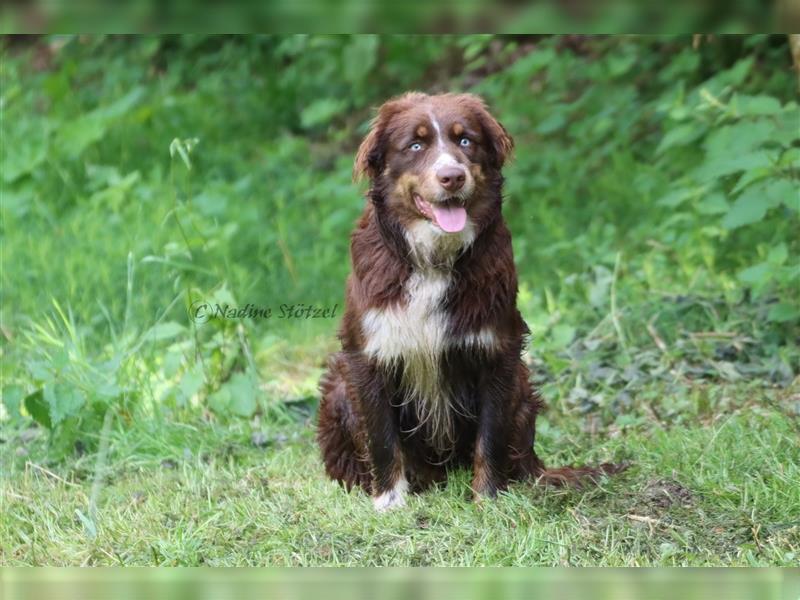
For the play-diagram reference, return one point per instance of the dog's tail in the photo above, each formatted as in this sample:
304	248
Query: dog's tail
578	476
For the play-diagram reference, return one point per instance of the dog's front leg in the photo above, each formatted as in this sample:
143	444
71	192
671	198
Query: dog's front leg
492	460
389	484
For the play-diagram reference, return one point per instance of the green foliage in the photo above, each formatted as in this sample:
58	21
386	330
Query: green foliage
747	175
71	389
653	196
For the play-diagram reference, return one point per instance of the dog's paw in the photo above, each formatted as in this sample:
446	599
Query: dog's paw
479	496
485	487
393	498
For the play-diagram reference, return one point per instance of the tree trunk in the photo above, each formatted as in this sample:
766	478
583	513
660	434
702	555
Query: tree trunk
794	44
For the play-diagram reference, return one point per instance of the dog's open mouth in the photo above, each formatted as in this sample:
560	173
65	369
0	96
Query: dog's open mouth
450	215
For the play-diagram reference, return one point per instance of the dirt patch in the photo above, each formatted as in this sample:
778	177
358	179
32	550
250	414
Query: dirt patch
665	493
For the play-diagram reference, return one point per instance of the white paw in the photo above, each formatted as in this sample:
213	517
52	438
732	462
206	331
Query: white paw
394	498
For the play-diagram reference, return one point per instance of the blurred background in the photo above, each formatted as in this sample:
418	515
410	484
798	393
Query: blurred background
395	584
653	202
451	16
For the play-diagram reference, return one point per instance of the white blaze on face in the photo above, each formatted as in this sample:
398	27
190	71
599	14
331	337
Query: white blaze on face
446	159
438	130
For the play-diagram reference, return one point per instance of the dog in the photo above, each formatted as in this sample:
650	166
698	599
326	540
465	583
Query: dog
430	375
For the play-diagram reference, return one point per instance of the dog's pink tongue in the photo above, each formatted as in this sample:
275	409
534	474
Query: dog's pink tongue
450	218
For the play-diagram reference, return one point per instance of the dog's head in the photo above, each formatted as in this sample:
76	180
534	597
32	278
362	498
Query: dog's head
435	159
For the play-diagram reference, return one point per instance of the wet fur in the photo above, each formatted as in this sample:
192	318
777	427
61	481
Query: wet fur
431	379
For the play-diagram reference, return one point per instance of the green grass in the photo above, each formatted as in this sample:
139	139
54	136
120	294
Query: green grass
721	492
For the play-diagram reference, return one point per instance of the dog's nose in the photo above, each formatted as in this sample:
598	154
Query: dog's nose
451	178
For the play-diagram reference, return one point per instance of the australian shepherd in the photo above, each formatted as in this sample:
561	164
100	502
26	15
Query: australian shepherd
430	376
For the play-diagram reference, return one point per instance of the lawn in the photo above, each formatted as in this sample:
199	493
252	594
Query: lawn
654	209
722	491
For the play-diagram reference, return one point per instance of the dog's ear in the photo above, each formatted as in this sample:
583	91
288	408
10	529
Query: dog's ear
500	141
371	155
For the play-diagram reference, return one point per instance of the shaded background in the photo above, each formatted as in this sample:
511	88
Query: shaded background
451	16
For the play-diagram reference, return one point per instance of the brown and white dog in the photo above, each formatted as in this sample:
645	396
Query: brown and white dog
430	376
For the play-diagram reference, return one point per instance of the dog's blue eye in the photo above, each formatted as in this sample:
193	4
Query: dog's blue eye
416	147
464	142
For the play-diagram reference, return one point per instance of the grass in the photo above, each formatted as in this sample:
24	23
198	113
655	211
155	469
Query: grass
722	492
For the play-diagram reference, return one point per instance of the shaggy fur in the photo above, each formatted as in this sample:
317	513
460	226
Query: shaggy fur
430	376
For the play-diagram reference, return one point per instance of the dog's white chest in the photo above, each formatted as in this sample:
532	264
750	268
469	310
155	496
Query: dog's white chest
412	336
417	326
